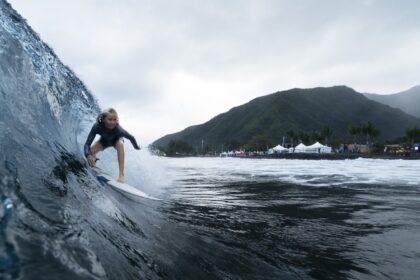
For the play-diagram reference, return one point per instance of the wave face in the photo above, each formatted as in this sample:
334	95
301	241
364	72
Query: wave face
44	107
56	220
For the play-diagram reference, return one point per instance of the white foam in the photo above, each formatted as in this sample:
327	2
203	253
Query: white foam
311	172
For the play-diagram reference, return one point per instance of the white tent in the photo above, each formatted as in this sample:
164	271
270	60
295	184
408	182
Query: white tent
279	149
318	148
301	148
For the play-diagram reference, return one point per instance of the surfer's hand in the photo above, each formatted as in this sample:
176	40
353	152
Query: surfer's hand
91	160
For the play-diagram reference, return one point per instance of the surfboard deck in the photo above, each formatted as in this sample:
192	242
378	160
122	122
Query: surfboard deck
105	178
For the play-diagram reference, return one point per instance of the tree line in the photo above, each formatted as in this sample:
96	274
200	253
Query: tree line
364	133
367	131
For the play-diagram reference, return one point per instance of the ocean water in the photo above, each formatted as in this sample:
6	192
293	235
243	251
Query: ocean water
227	218
297	219
219	218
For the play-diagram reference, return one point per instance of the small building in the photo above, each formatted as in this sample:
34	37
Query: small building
394	149
358	148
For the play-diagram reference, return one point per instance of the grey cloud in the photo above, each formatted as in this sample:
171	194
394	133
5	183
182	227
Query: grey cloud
129	52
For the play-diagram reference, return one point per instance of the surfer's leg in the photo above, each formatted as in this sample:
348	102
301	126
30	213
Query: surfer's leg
119	146
94	149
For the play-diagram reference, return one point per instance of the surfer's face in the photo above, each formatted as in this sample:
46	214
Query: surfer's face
111	120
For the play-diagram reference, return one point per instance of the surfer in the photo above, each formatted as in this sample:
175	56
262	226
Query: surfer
112	134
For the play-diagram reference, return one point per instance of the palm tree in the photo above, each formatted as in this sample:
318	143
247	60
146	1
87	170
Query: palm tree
326	134
304	137
412	134
369	130
292	136
375	133
354	130
316	136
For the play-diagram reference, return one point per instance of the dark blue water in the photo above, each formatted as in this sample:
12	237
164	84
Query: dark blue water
220	219
254	221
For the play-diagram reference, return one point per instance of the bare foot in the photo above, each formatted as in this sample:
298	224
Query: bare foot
120	179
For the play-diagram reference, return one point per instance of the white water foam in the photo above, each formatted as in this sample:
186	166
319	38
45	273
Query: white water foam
306	172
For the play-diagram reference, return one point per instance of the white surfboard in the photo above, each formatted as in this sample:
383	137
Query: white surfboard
105	178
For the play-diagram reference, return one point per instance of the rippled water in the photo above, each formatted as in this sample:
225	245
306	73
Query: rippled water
220	218
297	219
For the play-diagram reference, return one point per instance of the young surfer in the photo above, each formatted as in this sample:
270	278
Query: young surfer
112	134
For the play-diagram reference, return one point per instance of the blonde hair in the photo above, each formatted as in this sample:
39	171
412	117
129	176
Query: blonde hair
105	113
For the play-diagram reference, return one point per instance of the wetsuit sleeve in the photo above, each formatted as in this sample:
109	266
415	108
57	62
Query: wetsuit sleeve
90	138
130	137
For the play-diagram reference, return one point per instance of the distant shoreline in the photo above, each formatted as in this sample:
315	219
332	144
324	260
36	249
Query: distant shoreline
305	156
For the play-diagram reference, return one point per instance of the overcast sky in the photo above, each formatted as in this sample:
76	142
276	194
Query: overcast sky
166	65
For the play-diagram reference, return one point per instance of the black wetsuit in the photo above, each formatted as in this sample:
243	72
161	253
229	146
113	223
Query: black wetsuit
108	136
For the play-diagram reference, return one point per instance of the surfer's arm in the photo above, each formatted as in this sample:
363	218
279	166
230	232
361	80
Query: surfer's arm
131	138
90	139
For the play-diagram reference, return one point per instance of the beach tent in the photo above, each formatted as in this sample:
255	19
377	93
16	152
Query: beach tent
279	149
318	148
298	149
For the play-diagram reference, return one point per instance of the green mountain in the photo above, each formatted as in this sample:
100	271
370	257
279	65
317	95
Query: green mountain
408	101
298	109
